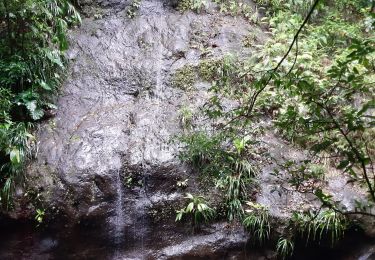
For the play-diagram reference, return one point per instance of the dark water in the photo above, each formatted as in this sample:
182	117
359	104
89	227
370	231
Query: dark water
25	241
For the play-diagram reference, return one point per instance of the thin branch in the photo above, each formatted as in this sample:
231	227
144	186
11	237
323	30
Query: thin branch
354	149
295	59
358	213
295	38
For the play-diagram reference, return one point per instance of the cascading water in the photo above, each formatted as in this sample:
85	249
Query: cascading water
117	221
140	226
118	218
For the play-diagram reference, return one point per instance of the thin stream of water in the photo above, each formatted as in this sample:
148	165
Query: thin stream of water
119	221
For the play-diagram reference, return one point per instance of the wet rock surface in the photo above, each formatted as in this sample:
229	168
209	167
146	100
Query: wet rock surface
106	162
118	111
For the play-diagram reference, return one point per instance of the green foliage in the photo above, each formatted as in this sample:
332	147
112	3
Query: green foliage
249	40
312	226
133	8
202	151
197	209
284	247
257	222
325	223
326	118
222	157
319	93
193	5
186	117
303	176
33	40
226	164
320	96
39	217
237	8
184	78
209	70
232	7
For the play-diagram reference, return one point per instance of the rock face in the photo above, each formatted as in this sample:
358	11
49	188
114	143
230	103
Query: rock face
107	161
107	156
117	111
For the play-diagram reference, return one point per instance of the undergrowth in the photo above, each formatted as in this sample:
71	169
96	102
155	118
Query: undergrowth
314	79
32	43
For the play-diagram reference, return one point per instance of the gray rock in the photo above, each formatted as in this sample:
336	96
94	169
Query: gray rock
107	156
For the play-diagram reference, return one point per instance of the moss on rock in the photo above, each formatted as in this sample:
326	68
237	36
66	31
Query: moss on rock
184	78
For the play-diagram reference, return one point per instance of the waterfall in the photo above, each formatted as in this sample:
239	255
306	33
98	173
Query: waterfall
118	219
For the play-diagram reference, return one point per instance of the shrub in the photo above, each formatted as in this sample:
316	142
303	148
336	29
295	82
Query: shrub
197	209
325	223
284	247
32	43
257	222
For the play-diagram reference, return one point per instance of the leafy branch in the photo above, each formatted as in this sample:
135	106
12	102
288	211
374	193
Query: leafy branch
253	99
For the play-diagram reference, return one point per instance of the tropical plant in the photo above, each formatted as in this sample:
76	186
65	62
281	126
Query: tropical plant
186	117
198	209
323	224
32	43
257	222
326	111
284	247
194	5
314	80
39	217
225	163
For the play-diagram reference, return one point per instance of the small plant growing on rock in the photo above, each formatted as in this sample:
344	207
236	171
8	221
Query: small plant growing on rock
210	69
133	9
39	217
197	209
235	8
257	221
325	223
249	40
183	184
186	117
193	5
284	247
184	78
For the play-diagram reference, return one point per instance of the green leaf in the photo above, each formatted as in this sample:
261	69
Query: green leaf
190	207
324	198
55	58
322	146
343	164
35	112
45	86
179	215
31	106
189	196
15	156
